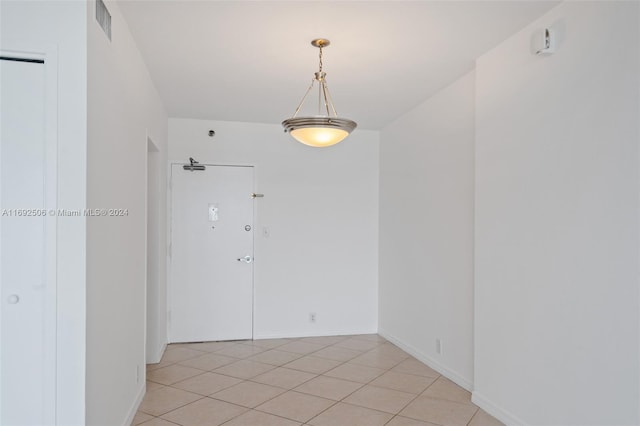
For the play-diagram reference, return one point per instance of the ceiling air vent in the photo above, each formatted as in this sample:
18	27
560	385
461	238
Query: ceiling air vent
103	17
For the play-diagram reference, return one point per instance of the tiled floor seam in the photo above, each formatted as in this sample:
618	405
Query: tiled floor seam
378	350
312	354
334	403
337	366
280	387
440	399
250	408
407	404
174	409
343	362
253	409
472	417
347	396
391	419
352	405
226	402
298	421
233	377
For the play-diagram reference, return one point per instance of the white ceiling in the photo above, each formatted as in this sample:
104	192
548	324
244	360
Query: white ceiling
252	60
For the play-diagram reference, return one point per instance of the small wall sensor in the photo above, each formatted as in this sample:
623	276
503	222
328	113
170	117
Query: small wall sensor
212	133
544	42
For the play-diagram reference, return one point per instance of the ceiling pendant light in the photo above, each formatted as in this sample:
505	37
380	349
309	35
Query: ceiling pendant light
321	130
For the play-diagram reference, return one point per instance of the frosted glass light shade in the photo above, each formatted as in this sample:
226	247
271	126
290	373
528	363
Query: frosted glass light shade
318	131
319	136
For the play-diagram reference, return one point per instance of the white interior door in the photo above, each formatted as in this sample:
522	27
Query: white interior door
27	361
211	287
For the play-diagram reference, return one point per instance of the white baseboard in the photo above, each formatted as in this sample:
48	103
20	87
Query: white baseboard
313	334
156	357
477	398
504	416
450	374
136	404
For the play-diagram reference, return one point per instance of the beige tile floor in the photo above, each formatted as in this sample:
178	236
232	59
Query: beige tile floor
319	381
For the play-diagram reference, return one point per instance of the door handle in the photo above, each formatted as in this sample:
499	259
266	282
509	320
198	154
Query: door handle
13	299
246	259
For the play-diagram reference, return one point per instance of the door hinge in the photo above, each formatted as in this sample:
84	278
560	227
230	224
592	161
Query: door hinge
169	249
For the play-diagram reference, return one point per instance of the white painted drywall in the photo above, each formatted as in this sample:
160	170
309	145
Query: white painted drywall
156	253
38	26
124	110
426	230
320	207
556	279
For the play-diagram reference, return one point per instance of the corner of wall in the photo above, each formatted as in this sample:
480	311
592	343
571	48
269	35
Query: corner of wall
426	202
499	413
450	374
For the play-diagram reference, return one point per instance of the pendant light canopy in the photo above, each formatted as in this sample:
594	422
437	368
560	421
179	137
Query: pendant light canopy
326	128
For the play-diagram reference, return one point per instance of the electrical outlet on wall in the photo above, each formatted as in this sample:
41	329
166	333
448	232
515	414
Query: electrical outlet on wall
312	317
438	346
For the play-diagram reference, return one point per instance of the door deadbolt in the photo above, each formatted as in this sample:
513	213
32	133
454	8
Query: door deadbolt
247	228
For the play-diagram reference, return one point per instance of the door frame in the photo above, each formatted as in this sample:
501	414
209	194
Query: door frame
48	54
170	239
155	338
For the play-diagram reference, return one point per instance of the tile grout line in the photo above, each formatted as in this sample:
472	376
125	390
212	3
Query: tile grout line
417	396
264	412
439	399
244	380
205	397
305	422
318	375
356	390
202	397
472	417
285	390
205	371
361	352
174	409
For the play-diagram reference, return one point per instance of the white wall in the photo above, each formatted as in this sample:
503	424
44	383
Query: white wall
426	230
37	26
156	253
124	109
321	208
556	280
